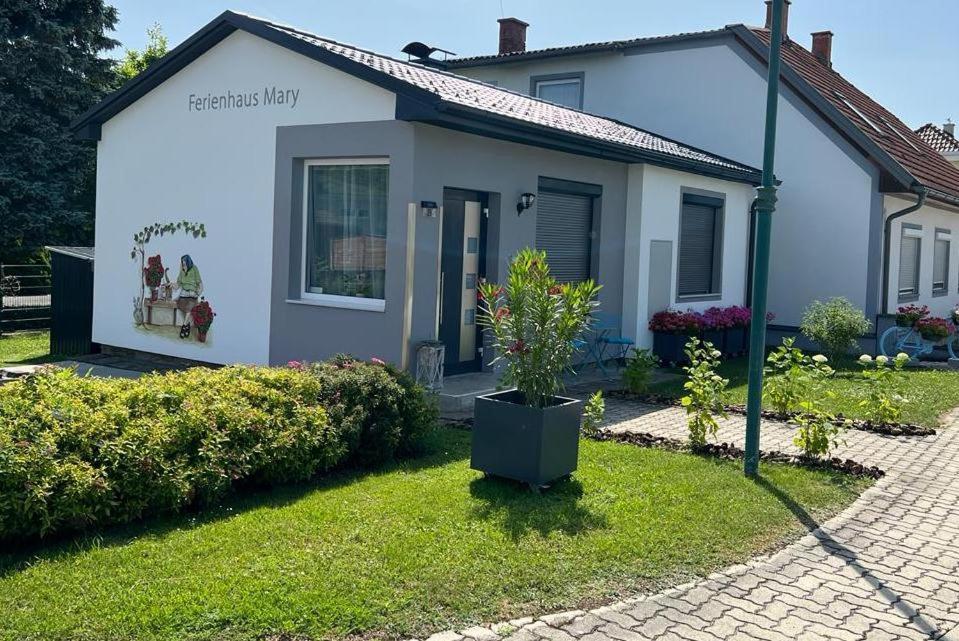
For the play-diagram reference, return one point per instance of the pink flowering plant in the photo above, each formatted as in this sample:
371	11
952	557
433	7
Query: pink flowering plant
533	321
672	321
909	315
934	329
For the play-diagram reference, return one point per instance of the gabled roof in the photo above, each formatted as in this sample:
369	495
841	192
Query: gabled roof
939	139
906	161
438	97
86	253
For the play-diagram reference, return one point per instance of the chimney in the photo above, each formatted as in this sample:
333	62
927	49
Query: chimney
769	16
822	47
950	128
512	35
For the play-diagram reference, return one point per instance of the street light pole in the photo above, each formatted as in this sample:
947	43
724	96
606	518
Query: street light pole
765	206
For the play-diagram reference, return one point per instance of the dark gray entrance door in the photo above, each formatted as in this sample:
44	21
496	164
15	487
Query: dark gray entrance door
462	265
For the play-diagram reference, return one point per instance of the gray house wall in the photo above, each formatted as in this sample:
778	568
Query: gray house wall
711	93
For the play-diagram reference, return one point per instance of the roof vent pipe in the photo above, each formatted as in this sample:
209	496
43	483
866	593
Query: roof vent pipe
769	17
512	35
822	47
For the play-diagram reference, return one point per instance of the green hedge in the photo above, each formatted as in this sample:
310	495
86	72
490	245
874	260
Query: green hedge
79	452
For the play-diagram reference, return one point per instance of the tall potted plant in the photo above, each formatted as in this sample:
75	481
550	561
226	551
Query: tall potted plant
530	433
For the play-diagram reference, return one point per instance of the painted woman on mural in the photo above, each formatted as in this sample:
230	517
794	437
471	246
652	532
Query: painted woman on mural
190	287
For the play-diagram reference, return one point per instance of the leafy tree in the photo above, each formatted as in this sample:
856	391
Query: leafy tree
50	72
135	62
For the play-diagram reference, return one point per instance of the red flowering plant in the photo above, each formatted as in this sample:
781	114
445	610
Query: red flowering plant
202	315
909	315
533	321
153	272
673	321
934	329
719	318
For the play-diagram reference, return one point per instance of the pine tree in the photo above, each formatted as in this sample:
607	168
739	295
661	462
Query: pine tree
50	72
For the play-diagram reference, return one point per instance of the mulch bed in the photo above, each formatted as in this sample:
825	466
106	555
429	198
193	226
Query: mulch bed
888	429
729	451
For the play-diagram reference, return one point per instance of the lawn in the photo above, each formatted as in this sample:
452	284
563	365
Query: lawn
415	548
20	348
929	392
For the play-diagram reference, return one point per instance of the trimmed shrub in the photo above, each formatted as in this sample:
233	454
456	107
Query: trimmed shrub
380	411
78	452
835	325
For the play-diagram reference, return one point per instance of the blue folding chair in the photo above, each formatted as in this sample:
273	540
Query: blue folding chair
609	343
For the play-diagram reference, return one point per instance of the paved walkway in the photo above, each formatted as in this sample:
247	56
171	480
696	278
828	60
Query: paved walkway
886	568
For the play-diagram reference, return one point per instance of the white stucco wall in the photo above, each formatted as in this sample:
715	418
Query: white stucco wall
653	207
161	160
930	217
710	97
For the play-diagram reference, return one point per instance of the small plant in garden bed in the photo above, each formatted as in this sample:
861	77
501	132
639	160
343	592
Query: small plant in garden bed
705	391
792	376
593	413
818	430
640	365
835	325
884	378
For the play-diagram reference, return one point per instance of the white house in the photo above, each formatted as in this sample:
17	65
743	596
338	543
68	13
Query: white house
866	210
322	198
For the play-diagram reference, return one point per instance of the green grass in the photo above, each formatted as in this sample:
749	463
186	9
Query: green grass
929	392
418	547
21	348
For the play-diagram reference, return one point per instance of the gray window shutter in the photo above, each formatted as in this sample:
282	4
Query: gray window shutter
940	267
909	265
697	244
564	225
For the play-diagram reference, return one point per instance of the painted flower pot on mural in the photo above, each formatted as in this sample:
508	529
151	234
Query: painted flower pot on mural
534	445
201	336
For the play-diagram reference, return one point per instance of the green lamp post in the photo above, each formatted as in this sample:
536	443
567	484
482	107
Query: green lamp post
765	206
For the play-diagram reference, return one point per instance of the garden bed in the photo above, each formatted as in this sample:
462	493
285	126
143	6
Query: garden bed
888	429
729	451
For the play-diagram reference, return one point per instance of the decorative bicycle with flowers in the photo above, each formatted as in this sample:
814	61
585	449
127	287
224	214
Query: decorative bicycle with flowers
917	333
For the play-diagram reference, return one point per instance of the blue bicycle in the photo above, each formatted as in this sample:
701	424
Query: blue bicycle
910	342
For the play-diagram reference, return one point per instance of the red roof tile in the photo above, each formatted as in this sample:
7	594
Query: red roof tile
907	148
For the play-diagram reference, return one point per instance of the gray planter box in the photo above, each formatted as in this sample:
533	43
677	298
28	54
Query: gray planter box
528	444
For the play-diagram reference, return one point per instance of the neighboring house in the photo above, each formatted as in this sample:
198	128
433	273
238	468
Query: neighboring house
320	198
851	171
942	140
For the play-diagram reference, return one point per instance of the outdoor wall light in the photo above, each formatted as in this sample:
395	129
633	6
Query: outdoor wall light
525	202
429	208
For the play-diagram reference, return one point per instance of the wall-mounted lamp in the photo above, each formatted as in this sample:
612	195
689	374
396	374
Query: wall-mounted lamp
429	208
525	202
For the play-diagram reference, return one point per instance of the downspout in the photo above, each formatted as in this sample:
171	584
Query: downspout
887	241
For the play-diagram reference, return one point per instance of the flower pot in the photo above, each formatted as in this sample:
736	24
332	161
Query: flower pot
716	337
528	444
735	341
669	347
153	294
201	335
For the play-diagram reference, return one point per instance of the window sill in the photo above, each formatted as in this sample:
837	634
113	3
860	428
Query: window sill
939	293
908	298
693	298
341	302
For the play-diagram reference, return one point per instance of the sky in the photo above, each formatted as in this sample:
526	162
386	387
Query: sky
903	54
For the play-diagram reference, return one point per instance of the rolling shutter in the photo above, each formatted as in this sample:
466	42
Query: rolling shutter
940	266
909	265
564	225
697	243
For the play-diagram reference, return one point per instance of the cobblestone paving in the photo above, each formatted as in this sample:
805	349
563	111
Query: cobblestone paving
886	568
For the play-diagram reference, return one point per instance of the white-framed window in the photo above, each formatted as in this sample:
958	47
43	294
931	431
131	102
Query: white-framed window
699	268
566	90
344	232
910	252
940	262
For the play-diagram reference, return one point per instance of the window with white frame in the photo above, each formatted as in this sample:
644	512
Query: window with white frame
700	247
940	262
562	90
910	250
345	211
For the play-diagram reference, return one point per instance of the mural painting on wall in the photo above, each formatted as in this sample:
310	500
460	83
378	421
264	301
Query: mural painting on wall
172	307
